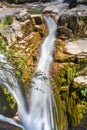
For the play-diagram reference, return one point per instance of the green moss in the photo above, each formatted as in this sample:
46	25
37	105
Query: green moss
8	106
34	38
66	75
9	20
81	92
19	62
82	31
73	112
61	121
1	25
3	43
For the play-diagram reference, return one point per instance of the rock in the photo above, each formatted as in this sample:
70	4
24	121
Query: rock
81	80
77	47
70	21
9	124
75	19
12	32
37	28
27	27
80	86
55	10
64	32
37	19
9	34
4	11
23	15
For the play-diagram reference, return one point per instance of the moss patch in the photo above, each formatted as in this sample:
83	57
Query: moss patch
8	106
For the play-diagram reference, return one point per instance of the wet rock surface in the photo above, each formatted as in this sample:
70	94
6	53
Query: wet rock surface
8	126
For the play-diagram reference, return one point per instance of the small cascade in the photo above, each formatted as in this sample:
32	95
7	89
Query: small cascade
43	114
9	81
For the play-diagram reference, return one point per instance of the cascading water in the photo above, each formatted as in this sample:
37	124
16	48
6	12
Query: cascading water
42	107
9	81
42	113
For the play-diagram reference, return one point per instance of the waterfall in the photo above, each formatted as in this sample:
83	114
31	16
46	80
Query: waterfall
47	47
9	81
41	114
42	108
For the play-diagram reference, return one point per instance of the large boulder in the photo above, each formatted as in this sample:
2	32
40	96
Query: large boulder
75	20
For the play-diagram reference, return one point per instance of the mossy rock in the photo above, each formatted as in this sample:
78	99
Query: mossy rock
33	38
8	106
73	112
27	28
81	91
9	20
66	74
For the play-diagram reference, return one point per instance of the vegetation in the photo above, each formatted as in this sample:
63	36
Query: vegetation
66	75
8	106
3	44
9	20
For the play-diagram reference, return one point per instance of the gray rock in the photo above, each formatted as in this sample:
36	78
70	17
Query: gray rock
9	34
23	15
13	32
82	80
77	48
56	9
